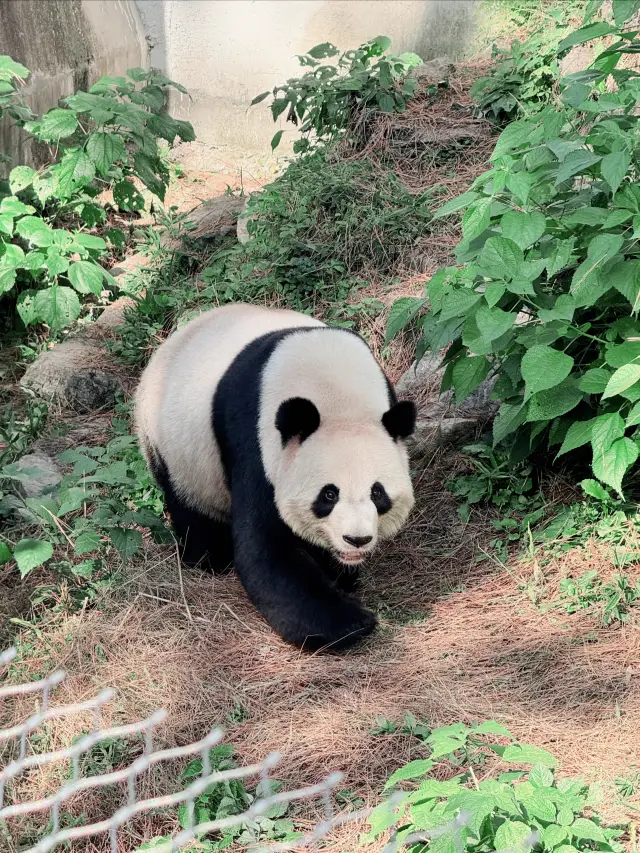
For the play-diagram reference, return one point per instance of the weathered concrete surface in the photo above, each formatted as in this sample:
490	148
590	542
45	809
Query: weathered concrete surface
227	51
67	45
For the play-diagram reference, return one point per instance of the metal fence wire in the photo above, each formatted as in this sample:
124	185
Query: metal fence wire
57	837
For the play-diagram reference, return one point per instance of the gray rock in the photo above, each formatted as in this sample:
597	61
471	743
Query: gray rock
40	474
113	314
242	231
422	382
217	217
432	434
74	374
434	70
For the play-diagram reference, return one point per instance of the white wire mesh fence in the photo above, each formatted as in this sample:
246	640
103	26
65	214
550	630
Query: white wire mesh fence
18	741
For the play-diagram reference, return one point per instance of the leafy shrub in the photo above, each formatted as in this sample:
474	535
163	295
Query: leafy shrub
527	74
102	139
103	504
225	799
323	101
548	294
318	227
500	811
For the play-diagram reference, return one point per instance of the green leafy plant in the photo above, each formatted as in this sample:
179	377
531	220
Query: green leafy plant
506	807
612	600
102	505
316	232
101	139
228	798
548	292
325	100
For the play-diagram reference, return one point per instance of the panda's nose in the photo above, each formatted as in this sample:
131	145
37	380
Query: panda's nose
358	541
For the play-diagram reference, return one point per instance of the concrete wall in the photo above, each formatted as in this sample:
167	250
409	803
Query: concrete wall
67	45
227	51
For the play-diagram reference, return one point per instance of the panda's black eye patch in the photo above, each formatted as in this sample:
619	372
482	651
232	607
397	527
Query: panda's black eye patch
380	498
327	498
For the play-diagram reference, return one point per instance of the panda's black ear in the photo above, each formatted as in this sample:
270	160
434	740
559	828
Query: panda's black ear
400	420
297	418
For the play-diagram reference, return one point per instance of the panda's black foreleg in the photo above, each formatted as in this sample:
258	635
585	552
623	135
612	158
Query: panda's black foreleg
343	577
284	583
203	541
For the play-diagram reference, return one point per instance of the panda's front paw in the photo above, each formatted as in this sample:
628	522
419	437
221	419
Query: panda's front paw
342	626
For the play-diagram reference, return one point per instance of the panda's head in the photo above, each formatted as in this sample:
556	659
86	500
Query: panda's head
343	485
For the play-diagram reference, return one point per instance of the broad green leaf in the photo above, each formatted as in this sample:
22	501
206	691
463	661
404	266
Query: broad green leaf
7	280
31	553
541	777
526	754
544	367
606	429
492	727
611	465
577	162
386	102
549	404
633	418
525	229
594	490
585	34
126	541
127	197
20	178
553	835
432	789
323	51
55	263
500	258
14	207
582	827
455	204
74	170
494	292
493	322
578	434
510	834
565	816
520	184
412	770
476	218
563	309
623	353
587	285
623	378
86	277
5	553
87	542
515	135
623	10
57	306
539	805
35	231
6	224
276	139
458	303
10	68
625	277
25	307
614	167
104	149
510	416
468	373
259	98
58	124
594	381
402	313
616	218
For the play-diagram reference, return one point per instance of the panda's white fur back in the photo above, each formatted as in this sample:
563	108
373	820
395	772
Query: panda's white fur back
173	406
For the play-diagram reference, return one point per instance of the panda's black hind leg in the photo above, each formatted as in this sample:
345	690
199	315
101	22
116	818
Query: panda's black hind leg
203	541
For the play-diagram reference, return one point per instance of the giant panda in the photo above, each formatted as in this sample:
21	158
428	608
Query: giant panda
280	447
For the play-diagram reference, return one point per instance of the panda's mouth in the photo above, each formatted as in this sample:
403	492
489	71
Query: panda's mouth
352	558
